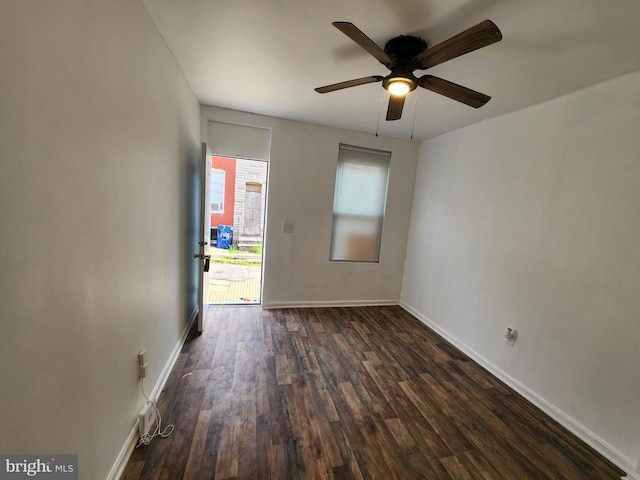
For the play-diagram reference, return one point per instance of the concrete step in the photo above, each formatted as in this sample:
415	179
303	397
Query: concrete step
248	242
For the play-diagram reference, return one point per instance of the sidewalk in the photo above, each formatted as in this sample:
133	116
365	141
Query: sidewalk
234	283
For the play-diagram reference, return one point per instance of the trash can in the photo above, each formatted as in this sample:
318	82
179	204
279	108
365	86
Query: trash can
225	234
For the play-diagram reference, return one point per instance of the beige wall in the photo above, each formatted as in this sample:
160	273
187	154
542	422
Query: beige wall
99	149
531	221
302	170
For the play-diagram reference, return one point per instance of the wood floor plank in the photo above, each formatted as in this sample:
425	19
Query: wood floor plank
402	436
307	430
315	413
324	401
484	467
443	426
501	444
248	461
347	393
197	445
229	450
455	468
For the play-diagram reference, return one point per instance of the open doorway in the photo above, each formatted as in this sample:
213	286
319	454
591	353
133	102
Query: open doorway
237	194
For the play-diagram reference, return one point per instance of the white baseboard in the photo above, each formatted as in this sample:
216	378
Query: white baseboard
632	476
337	303
579	430
130	443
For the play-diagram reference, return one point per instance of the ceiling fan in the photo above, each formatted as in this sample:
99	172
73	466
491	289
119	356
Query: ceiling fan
404	54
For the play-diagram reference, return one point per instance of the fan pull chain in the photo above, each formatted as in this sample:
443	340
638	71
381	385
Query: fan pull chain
415	109
378	116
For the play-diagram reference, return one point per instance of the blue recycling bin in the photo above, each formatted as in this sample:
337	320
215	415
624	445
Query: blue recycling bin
225	234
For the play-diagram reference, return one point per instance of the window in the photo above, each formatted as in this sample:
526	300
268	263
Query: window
216	189
359	204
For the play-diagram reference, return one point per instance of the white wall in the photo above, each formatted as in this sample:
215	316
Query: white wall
302	170
532	220
99	149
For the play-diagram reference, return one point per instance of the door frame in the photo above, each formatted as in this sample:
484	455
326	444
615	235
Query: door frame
204	249
263	221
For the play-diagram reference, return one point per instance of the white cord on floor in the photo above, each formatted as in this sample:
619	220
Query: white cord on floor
146	438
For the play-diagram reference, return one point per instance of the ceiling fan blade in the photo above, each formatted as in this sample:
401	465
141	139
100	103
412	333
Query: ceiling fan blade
483	34
349	83
355	34
394	110
453	90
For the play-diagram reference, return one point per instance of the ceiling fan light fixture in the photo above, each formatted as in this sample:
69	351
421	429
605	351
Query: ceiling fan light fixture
399	86
405	54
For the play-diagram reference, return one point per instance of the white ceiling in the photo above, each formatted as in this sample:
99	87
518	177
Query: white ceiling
267	56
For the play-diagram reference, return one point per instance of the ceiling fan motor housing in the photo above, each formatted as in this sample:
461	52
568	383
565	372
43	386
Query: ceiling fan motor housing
403	48
402	51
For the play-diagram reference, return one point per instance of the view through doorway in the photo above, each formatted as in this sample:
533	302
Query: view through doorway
237	197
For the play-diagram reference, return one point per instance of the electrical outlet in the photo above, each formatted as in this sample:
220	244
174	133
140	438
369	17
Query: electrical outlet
287	227
147	418
510	336
142	364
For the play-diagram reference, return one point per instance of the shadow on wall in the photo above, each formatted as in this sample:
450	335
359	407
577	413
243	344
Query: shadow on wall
190	222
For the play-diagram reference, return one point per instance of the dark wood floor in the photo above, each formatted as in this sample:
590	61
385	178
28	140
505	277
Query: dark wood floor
347	393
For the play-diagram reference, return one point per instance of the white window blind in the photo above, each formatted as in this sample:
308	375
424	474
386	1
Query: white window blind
359	204
238	141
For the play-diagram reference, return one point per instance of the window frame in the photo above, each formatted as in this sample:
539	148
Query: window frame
350	156
223	174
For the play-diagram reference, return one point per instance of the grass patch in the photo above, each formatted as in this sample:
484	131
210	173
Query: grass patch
230	260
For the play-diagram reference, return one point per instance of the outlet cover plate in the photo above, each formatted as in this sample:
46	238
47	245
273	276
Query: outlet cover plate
147	419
